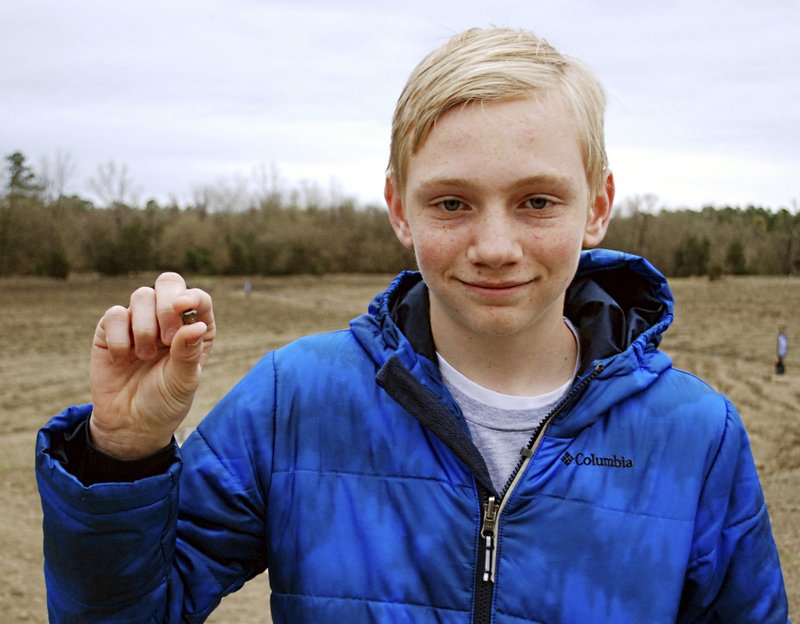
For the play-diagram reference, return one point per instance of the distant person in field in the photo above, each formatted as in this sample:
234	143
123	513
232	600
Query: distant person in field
497	439
782	351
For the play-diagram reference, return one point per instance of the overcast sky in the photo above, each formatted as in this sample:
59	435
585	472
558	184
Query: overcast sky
704	97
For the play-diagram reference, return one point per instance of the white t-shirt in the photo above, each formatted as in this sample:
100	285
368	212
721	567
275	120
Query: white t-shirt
501	424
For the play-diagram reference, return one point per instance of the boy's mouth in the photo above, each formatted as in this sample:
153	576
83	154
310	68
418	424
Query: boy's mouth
499	287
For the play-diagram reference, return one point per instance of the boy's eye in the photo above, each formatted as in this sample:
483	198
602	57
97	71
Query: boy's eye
538	203
451	205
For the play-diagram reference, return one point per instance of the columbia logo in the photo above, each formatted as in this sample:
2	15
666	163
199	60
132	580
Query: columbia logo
590	459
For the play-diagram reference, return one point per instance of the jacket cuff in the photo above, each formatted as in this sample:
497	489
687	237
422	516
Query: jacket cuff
102	468
73	449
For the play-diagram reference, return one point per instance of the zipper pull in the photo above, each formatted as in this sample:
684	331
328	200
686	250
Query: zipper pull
487	533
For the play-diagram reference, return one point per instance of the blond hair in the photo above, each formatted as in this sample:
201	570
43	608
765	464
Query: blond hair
481	65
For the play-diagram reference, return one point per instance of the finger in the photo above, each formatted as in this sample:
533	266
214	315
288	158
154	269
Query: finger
144	325
168	287
114	333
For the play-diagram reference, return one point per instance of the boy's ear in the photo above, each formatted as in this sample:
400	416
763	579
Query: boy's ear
397	213
599	213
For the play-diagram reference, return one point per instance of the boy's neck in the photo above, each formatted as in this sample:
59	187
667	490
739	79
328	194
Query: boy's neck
538	362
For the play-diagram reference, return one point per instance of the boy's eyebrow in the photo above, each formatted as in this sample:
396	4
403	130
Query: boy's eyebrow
432	183
549	179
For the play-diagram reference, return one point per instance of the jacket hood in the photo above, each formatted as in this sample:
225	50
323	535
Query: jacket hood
620	304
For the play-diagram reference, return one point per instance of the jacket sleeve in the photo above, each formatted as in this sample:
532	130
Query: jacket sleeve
734	575
168	547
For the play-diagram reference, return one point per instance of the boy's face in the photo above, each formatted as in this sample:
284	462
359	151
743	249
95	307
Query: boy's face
497	207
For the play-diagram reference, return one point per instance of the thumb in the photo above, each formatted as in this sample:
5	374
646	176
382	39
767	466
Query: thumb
185	354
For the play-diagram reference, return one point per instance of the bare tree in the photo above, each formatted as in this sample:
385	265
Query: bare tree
269	186
57	174
114	185
224	196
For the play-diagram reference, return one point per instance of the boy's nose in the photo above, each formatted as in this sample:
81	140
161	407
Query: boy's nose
495	241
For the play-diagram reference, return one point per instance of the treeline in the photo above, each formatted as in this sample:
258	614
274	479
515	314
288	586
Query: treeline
712	241
272	233
275	232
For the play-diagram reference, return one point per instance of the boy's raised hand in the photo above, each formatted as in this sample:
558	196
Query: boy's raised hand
145	367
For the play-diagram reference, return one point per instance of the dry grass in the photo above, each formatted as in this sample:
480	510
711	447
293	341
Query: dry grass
725	331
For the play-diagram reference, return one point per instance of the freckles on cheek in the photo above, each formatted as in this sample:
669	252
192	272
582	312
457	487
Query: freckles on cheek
426	259
430	250
558	244
559	253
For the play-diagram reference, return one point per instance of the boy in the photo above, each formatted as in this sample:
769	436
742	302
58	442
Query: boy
377	471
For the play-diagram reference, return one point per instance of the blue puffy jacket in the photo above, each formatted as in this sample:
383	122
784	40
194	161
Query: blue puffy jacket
342	464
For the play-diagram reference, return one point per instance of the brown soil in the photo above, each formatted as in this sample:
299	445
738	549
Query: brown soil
725	331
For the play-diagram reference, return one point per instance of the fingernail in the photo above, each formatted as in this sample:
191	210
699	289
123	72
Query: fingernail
169	334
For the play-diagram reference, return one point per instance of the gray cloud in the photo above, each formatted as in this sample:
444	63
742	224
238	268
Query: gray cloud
702	99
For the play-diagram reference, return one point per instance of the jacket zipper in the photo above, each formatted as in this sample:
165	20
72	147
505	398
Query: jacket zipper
484	586
493	508
488	535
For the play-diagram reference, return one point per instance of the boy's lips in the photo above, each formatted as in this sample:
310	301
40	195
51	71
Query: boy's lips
495	287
